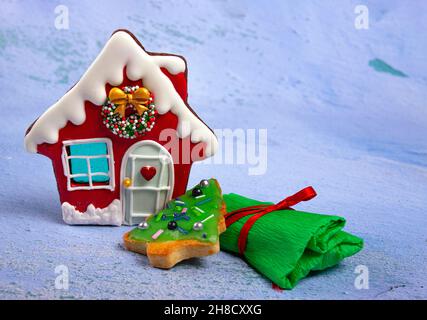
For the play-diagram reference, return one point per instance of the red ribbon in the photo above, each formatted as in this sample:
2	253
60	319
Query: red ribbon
261	210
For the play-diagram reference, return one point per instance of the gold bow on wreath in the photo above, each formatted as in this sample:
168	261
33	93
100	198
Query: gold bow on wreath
138	99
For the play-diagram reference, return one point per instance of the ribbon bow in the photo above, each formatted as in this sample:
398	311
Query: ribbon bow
138	99
258	211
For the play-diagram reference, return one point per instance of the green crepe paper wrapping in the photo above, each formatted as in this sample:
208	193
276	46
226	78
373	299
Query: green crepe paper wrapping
285	245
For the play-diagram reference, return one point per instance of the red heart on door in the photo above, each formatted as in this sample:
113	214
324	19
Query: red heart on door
148	172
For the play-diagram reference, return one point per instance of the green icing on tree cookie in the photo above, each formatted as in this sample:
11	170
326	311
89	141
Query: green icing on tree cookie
192	216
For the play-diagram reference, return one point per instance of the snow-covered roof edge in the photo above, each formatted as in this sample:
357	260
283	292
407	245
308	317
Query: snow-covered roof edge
121	51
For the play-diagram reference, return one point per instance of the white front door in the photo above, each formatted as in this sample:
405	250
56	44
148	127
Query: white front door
147	180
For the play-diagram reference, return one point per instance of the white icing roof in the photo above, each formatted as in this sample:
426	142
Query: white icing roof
122	50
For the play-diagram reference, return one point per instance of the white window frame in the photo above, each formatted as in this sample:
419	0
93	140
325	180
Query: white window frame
66	165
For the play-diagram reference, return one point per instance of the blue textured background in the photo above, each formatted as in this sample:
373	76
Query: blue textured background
299	69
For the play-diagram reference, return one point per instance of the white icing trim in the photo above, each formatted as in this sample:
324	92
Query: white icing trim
173	64
65	163
119	52
165	160
111	215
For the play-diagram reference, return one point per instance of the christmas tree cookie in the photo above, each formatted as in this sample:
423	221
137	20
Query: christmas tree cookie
188	227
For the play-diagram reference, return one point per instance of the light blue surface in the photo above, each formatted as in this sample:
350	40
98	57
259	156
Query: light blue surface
299	69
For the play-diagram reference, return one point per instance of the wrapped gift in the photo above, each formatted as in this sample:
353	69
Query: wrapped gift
284	244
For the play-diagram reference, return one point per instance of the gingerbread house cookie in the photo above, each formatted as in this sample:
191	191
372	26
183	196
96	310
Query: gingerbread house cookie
122	140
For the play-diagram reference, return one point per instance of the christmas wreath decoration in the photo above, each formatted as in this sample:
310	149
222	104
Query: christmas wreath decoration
130	125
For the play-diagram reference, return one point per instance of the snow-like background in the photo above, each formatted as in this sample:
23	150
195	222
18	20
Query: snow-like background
298	68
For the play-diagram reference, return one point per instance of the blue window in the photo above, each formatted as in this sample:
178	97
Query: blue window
88	164
89	161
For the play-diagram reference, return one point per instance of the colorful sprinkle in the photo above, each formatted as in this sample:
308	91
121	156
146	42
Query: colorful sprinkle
182	230
184	210
203	201
200	197
180	216
206	219
157	234
158	217
197	210
180	203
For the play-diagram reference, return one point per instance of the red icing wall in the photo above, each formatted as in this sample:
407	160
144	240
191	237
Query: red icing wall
94	128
